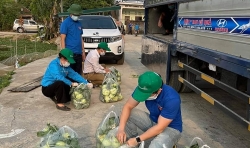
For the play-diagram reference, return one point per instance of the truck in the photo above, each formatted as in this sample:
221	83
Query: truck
209	45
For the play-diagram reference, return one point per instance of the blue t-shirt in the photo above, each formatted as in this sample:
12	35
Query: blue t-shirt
56	72
136	27
168	105
73	31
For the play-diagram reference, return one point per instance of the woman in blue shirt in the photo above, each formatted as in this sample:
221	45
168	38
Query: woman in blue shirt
56	81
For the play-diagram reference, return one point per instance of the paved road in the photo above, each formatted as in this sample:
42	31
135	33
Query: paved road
31	111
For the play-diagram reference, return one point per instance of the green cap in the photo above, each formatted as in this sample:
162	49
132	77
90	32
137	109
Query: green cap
75	9
148	83
68	54
104	46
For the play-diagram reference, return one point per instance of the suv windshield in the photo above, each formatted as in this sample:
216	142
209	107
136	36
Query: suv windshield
90	22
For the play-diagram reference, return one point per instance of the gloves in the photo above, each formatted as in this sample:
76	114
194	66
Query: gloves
90	85
74	84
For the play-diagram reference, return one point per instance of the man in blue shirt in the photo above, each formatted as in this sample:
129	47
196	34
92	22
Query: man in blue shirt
55	82
164	121
71	36
137	28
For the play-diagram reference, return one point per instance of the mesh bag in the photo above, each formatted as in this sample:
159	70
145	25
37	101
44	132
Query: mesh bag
115	72
197	143
110	75
80	96
108	124
110	91
65	137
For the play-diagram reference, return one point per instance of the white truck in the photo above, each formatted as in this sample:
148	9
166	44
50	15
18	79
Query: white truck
210	42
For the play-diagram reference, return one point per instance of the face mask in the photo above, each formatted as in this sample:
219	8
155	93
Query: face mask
171	7
153	97
74	18
66	64
102	53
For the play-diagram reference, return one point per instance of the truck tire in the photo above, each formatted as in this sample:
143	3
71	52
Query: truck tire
189	77
121	61
174	82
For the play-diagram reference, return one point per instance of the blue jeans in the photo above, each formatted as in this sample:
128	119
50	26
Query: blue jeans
140	119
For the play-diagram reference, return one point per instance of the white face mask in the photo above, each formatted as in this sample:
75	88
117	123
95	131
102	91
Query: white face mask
153	97
102	53
74	18
66	64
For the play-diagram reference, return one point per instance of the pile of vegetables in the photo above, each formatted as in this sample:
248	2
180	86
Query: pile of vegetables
106	131
110	91
52	137
115	72
80	96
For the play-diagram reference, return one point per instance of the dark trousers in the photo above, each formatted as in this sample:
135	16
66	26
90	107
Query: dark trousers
167	25
77	67
58	89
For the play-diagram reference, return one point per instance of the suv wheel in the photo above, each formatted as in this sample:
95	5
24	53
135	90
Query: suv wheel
41	29
121	61
20	30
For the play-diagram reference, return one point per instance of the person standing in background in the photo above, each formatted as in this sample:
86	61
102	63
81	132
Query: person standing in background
71	36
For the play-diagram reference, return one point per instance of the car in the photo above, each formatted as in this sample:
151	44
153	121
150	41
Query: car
28	26
98	28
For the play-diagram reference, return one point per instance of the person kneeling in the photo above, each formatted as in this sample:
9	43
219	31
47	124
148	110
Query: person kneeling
93	71
163	123
56	81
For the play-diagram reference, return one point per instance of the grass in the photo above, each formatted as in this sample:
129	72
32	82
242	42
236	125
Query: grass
5	80
24	46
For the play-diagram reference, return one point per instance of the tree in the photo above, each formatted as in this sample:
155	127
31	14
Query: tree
9	11
25	3
45	10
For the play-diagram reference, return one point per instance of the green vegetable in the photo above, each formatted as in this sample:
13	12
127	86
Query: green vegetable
195	146
47	130
60	143
106	142
66	135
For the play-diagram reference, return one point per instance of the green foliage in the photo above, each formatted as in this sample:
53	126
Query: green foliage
25	3
31	47
9	11
5	80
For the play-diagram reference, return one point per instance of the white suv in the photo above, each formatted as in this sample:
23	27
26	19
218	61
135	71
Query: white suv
96	29
28	26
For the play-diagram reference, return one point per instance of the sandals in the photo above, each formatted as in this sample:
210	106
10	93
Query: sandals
63	108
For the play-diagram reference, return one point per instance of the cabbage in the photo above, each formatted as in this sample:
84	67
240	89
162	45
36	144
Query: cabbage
60	143
106	142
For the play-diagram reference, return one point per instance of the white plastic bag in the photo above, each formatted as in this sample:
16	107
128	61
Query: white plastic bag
81	96
110	91
126	146
109	124
64	137
198	143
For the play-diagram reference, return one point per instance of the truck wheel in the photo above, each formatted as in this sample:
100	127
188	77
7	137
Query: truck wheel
121	61
189	77
20	30
174	82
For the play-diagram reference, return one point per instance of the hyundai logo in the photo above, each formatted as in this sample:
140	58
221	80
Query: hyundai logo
222	23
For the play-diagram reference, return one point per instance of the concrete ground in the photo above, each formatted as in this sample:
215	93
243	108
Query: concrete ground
31	111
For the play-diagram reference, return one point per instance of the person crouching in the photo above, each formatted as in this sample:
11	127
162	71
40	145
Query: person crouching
58	78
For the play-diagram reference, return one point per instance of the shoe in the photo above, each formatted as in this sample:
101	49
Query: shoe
165	33
54	99
63	108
